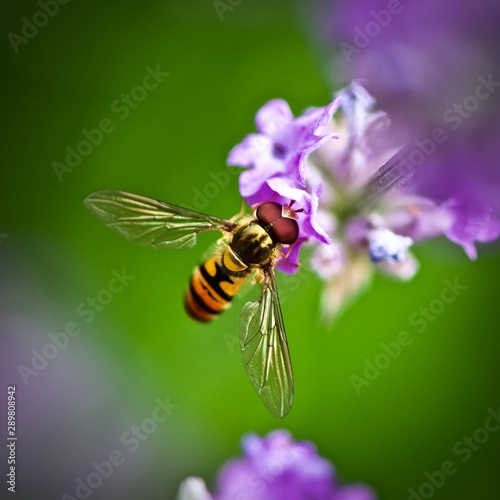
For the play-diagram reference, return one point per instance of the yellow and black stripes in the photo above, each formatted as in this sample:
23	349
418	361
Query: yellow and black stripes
212	286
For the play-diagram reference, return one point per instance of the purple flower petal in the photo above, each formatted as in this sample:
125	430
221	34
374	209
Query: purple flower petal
404	270
276	468
281	146
308	202
329	260
235	480
249	150
263	193
289	264
312	222
419	218
355	492
273	117
325	117
301	158
472	225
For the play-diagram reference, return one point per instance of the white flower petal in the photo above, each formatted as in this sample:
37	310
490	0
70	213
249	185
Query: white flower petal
193	488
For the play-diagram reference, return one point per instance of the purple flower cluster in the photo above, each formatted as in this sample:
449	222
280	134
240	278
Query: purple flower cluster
276	161
333	166
445	76
276	468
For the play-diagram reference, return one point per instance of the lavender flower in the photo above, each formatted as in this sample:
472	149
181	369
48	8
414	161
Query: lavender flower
276	467
275	158
356	215
280	147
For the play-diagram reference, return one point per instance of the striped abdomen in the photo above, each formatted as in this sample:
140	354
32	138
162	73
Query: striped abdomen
213	284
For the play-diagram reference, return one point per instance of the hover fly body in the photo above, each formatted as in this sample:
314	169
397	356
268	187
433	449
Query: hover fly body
250	246
254	244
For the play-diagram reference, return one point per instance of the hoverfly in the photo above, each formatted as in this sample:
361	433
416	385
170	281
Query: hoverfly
249	246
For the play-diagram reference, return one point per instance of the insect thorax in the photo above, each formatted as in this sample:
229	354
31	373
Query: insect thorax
252	244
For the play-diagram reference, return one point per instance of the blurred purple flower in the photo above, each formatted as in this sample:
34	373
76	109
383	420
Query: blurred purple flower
471	225
372	223
446	76
276	467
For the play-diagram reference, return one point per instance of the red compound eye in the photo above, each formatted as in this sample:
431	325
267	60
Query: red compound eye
285	231
268	212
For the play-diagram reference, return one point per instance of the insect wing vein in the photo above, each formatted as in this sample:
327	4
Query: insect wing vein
151	222
265	350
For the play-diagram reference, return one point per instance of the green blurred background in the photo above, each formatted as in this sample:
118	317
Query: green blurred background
141	346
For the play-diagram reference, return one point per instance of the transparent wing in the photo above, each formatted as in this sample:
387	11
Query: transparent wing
150	222
265	349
